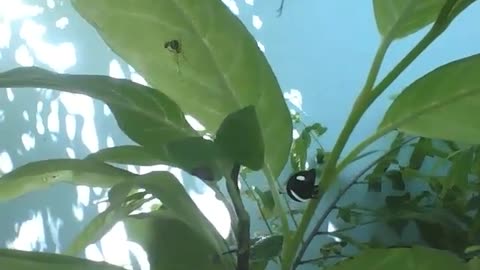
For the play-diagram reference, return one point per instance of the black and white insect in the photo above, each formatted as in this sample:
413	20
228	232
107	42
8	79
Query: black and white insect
301	185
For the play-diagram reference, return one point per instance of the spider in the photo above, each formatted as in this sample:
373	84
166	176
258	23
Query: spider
175	46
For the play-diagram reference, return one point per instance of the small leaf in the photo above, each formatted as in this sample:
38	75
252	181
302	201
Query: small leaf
98	227
146	115
165	187
474	264
298	153
266	198
317	129
163	234
120	191
240	139
38	175
28	260
400	18
402	258
397	202
266	248
439	107
397	179
345	214
459	171
419	153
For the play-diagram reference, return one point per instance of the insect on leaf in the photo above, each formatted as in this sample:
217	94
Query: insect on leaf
212	82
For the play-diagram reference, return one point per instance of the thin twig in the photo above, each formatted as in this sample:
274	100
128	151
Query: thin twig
324	258
280	9
258	206
348	228
333	204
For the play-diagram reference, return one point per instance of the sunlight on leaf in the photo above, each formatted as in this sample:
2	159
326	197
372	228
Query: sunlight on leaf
23	260
38	175
201	75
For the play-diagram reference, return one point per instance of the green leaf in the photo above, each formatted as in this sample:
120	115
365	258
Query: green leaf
402	258
38	175
120	191
298	153
459	171
266	197
266	248
99	226
396	177
194	155
440	105
205	78
345	214
400	18
239	138
474	264
147	116
165	187
163	234
128	154
28	260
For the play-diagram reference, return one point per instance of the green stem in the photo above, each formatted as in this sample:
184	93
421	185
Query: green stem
328	176
243	236
273	185
365	99
360	147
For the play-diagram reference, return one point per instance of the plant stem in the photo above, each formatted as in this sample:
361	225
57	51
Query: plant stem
329	174
437	29
243	238
273	185
364	100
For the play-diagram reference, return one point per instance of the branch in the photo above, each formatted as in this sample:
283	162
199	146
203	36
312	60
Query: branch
243	237
333	204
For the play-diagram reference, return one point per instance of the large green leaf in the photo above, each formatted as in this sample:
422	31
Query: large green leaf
164	186
172	243
402	259
442	104
194	155
400	18
219	69
23	260
240	139
41	174
145	115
